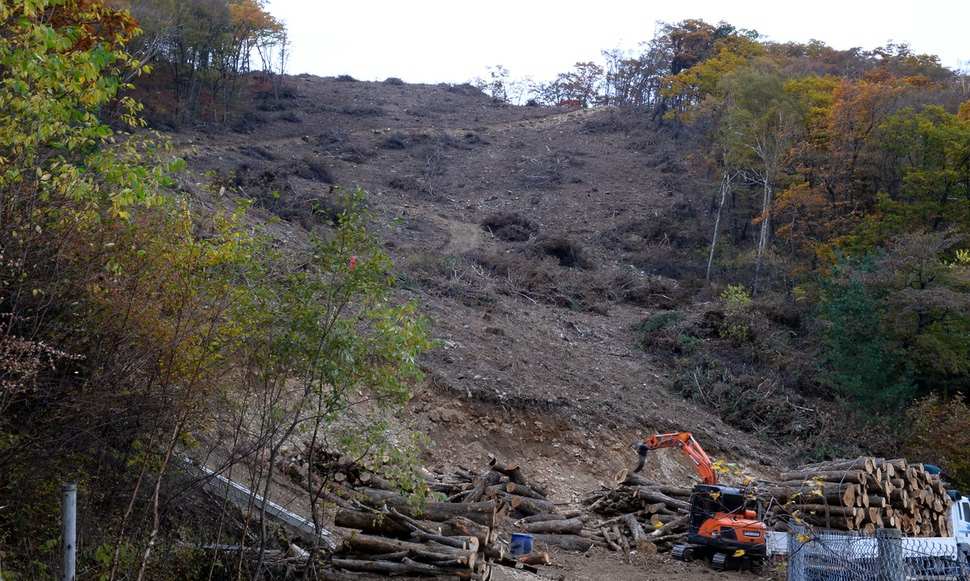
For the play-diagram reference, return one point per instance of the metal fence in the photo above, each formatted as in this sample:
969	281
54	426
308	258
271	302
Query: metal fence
815	555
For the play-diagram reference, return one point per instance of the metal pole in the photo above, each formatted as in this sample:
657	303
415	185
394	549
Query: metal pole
69	529
889	543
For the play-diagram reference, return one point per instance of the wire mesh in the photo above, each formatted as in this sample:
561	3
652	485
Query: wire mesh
816	555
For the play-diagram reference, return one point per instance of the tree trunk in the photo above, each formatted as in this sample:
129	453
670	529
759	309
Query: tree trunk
725	186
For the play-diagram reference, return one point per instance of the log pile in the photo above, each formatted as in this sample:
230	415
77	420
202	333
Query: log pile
863	494
457	537
638	515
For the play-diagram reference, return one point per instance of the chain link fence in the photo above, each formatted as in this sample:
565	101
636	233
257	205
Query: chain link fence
815	555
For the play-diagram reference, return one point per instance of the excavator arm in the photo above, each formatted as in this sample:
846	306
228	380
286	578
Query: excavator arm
686	442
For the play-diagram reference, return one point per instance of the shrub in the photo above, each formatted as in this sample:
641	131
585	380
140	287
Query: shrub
659	321
736	325
346	79
939	432
311	168
393	81
736	298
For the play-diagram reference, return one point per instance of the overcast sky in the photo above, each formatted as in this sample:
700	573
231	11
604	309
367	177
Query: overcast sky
454	41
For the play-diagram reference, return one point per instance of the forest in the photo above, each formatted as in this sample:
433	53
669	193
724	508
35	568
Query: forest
836	183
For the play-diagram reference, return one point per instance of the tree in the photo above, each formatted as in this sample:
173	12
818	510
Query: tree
759	127
496	85
858	358
203	47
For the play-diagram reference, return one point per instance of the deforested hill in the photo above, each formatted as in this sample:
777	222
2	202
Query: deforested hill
294	280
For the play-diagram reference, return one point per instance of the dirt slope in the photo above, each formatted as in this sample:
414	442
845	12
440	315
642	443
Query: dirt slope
538	360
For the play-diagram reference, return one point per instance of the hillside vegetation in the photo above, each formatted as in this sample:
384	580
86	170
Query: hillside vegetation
763	243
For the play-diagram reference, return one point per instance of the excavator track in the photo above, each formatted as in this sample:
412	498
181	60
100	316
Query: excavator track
682	552
719	561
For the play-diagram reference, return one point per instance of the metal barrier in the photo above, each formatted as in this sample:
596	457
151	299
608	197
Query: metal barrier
815	555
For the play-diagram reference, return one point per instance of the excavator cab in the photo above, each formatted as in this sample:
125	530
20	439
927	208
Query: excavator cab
723	526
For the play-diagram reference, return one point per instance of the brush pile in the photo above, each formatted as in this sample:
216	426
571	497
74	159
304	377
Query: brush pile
639	514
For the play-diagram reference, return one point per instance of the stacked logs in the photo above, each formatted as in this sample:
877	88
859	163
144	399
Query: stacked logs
863	494
639	515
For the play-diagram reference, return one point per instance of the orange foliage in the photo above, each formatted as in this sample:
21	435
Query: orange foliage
97	20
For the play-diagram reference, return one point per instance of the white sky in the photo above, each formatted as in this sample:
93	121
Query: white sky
454	41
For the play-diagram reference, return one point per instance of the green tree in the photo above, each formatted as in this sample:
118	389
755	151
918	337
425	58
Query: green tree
858	357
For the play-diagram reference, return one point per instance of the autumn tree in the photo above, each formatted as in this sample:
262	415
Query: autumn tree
201	48
758	129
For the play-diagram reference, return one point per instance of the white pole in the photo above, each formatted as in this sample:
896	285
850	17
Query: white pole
69	530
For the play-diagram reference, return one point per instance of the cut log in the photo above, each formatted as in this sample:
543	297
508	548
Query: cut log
843	494
523	490
374	545
566	542
854	476
821	509
669	527
370	523
405	567
560	527
482	483
609	540
461	526
530	506
654	495
637	534
621	538
480	512
537	558
541	517
865	463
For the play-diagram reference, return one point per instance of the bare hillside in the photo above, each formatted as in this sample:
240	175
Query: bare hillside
535	238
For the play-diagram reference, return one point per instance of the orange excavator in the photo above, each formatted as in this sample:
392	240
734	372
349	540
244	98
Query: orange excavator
722	525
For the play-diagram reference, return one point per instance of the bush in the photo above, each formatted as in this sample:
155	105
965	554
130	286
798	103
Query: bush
346	79
362	111
939	432
393	81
